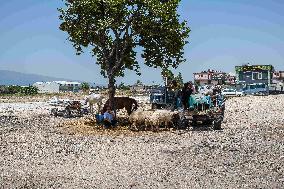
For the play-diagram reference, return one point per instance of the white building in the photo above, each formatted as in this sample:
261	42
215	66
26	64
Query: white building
68	86
57	86
47	87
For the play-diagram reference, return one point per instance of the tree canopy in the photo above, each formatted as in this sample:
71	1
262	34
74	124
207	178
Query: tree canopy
117	30
173	82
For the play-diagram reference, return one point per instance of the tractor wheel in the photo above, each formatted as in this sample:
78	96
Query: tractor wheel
67	113
154	106
182	124
216	124
193	123
54	112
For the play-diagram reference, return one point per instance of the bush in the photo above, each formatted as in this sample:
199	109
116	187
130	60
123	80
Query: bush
30	90
13	89
85	86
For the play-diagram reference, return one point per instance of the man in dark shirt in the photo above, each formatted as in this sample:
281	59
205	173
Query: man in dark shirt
186	92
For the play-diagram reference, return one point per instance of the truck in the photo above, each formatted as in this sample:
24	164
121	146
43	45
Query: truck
162	99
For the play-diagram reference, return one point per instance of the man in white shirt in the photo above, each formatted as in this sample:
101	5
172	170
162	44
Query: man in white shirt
109	118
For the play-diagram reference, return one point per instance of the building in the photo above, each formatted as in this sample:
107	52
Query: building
203	78
251	74
230	79
254	78
57	86
67	86
47	87
212	77
278	77
218	78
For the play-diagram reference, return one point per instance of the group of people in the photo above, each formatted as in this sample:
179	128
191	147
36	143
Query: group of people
189	89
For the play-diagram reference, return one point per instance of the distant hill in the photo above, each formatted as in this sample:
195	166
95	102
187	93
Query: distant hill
17	78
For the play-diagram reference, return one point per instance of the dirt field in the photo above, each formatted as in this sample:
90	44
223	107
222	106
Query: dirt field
40	151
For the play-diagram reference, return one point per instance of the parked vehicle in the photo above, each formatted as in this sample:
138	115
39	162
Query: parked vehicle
163	100
232	92
204	111
256	89
275	89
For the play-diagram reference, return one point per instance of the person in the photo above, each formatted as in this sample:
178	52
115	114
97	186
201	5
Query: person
186	92
178	100
190	92
109	118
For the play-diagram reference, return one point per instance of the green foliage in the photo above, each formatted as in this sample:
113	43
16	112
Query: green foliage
85	86
179	80
173	82
30	90
167	74
12	89
118	31
122	86
139	82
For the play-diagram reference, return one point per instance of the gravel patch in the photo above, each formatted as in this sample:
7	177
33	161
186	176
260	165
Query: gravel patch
38	151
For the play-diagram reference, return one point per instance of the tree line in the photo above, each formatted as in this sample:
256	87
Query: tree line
15	89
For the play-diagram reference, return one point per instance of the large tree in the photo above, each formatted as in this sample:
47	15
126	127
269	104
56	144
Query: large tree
117	30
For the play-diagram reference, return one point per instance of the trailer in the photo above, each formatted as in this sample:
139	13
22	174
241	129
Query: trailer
70	109
205	111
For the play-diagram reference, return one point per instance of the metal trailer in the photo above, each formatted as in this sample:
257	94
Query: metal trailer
71	109
205	115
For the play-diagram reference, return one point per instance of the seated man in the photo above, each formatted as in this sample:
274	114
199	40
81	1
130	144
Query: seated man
109	118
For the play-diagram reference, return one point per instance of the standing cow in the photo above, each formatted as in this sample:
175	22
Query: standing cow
94	99
129	104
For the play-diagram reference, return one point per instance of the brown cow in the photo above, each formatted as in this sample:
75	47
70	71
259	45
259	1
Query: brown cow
129	104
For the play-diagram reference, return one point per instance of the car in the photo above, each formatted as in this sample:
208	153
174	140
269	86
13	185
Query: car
232	92
256	89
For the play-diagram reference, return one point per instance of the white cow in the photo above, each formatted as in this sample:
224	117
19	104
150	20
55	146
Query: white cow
94	99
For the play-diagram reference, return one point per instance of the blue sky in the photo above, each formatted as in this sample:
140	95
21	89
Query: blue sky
224	34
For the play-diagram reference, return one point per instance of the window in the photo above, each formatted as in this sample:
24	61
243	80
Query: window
254	75
241	76
257	75
260	75
265	75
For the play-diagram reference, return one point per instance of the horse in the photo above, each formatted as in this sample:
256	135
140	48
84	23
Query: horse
129	104
94	99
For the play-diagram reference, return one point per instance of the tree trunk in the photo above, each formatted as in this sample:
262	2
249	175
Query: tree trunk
111	91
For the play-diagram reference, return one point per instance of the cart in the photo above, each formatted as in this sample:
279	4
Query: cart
70	109
205	111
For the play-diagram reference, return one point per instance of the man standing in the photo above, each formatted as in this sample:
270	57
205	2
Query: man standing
186	92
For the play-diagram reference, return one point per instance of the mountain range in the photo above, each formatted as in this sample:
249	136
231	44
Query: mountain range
23	79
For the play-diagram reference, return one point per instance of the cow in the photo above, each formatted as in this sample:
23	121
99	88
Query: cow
94	99
129	104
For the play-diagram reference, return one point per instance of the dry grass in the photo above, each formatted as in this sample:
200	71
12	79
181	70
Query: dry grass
87	126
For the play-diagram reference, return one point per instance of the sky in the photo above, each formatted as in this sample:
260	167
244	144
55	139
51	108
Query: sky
224	33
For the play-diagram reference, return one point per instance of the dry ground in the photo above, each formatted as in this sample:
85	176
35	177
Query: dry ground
39	151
